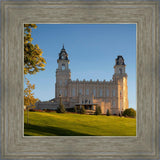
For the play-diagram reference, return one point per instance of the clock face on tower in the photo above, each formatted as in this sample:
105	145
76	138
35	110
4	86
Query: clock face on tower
63	56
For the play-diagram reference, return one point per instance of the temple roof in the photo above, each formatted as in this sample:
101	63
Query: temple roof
120	60
63	54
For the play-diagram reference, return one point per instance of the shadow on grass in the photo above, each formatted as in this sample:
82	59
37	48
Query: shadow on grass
51	131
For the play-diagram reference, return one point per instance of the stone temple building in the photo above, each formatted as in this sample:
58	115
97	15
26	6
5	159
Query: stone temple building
112	95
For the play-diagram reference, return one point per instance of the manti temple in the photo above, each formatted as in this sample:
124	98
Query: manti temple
112	95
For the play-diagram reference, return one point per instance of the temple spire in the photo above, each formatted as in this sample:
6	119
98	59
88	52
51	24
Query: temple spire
63	54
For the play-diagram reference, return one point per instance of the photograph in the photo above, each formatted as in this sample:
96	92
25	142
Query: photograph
80	80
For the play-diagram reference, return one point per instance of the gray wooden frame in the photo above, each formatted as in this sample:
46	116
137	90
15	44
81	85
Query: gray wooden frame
15	145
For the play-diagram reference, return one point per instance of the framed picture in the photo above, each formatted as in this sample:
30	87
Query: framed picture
87	87
142	13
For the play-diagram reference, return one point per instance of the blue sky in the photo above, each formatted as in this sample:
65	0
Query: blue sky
92	50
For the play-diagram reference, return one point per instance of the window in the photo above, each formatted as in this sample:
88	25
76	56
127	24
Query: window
120	70
66	82
65	93
80	91
63	67
113	103
120	104
60	92
73	92
94	92
63	57
113	92
60	82
100	92
121	93
87	91
107	92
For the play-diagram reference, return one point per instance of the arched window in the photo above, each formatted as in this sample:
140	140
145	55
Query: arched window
120	70
87	91
60	82
66	81
65	93
107	92
100	92
113	92
120	93
63	67
120	104
113	103
60	92
94	92
80	91
73	92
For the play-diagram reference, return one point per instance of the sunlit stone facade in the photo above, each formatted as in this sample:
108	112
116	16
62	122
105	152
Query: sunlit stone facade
112	95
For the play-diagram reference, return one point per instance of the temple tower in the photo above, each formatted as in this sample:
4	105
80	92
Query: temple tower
63	74
120	78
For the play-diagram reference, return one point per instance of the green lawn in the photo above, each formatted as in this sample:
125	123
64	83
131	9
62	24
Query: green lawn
70	124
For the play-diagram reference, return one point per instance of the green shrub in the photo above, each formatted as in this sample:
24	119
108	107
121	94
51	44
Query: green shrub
108	113
98	110
69	109
75	109
130	112
82	110
78	107
32	110
61	108
120	115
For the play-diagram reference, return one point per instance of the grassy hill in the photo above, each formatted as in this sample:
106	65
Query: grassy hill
71	124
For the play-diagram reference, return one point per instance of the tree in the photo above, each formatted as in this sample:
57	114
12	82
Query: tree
75	109
82	110
98	110
61	108
120	115
33	60
130	112
29	99
108	113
